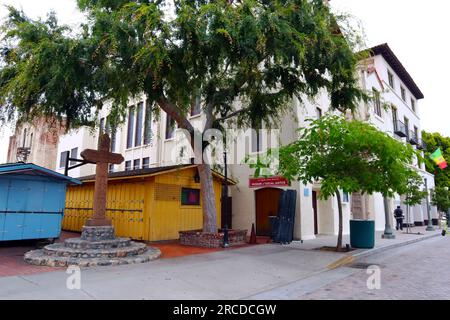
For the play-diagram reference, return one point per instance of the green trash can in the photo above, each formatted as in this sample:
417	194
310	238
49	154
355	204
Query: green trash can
362	234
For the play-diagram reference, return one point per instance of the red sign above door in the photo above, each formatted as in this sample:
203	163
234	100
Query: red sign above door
268	182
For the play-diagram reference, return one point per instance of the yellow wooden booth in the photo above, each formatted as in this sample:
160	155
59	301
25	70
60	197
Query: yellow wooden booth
149	204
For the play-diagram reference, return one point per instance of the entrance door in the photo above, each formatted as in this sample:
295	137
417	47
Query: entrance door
266	201
314	205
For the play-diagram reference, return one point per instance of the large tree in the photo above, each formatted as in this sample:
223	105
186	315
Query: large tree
434	141
349	156
260	53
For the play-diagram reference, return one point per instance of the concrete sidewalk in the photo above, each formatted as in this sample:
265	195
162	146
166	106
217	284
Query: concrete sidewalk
402	238
230	274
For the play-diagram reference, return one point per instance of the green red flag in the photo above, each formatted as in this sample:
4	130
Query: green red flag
438	158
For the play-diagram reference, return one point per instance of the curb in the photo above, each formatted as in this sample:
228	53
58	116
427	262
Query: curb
365	253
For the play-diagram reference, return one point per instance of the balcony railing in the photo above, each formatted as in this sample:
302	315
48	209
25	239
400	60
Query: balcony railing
413	139
421	145
400	129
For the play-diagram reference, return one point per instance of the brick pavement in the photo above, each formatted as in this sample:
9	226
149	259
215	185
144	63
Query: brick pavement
419	271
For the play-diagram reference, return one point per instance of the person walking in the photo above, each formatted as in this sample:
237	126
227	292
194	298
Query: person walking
398	214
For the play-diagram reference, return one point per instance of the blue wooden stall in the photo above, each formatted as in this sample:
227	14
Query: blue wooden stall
32	201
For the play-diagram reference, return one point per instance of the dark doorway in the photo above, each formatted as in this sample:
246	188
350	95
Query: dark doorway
267	201
314	205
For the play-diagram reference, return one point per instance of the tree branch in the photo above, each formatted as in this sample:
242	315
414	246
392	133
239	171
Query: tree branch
233	114
172	110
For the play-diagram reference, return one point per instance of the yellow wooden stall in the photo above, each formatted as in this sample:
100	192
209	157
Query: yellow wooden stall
143	204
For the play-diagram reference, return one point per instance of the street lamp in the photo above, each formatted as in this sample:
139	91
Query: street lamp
430	222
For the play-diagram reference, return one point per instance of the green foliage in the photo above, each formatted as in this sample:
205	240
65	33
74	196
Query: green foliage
434	141
349	155
260	52
413	191
352	156
441	198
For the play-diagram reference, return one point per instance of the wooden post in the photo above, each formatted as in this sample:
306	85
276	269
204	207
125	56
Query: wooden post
102	158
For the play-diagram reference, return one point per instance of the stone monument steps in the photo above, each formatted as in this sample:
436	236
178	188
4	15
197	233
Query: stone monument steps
38	257
97	246
77	243
61	250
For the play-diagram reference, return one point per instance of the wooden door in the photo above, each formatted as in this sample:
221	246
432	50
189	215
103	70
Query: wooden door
314	205
266	202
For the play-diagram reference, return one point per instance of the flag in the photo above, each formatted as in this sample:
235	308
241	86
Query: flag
438	158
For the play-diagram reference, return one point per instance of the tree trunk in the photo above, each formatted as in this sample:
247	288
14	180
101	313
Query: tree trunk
339	240
208	199
204	170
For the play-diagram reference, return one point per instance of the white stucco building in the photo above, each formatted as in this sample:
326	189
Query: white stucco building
397	113
146	140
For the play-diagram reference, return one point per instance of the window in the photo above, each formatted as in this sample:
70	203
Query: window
394	114
376	102
407	128
113	139
345	197
136	164
63	159
413	105
256	140
196	107
416	133
24	140
391	79
31	140
111	167
394	117
139	118
190	197
148	123
102	126
111	131
130	130
74	155
170	127
107	127
145	163
318	113
403	91
128	165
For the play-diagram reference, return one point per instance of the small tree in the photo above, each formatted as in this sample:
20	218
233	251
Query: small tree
441	198
257	53
351	156
413	192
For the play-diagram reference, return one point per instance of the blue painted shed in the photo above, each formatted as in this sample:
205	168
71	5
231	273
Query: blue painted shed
32	201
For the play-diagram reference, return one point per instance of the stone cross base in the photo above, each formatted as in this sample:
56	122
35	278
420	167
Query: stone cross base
90	233
97	246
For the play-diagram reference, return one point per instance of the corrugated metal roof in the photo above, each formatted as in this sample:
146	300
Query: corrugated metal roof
150	172
33	169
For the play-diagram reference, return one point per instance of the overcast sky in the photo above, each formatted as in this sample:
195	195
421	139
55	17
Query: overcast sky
416	30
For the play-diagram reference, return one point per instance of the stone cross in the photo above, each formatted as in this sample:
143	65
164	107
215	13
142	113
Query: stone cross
102	158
